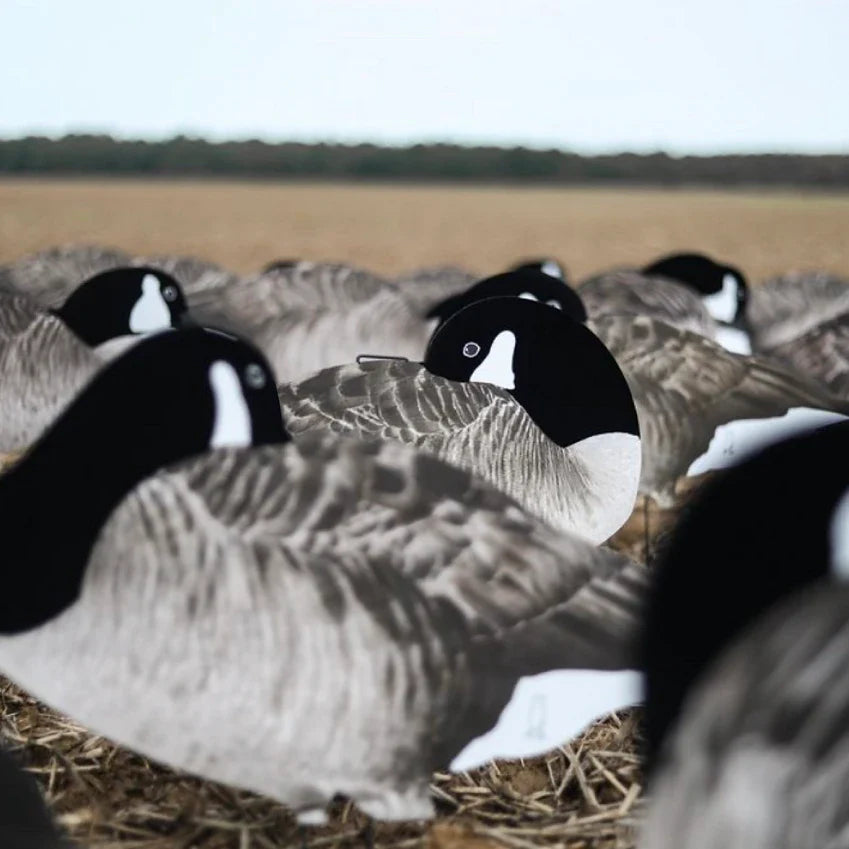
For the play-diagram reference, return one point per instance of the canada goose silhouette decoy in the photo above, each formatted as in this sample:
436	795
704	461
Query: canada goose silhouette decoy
366	610
788	306
50	276
689	291
528	283
46	356
510	389
746	650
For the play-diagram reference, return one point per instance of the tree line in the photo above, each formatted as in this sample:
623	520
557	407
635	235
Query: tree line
194	157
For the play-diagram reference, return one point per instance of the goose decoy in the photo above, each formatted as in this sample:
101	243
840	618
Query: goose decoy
202	282
510	389
528	283
548	265
702	408
46	356
689	291
364	609
786	307
424	288
50	276
747	695
821	353
313	316
25	822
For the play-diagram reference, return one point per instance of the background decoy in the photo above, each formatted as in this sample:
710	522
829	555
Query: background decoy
46	356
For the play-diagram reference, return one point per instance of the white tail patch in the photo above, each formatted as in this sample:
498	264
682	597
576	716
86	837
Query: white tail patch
839	538
548	710
497	368
733	339
150	311
722	305
734	441
232	418
552	269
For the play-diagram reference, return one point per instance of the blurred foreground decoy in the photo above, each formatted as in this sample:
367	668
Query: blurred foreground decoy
746	651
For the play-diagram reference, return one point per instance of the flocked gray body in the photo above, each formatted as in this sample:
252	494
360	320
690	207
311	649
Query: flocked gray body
474	426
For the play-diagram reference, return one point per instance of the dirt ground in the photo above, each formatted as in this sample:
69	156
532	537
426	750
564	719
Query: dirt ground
391	228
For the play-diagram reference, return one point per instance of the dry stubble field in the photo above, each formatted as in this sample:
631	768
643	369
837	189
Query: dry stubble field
585	795
391	228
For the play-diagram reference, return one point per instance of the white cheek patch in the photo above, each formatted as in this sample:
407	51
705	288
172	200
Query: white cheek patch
839	538
232	426
552	269
555	304
735	340
734	441
549	710
150	311
497	368
529	296
722	305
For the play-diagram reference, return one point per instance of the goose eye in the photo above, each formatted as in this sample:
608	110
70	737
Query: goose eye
471	349
169	293
555	304
255	376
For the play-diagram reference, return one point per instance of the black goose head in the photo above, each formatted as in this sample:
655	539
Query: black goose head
723	288
556	368
280	265
758	534
172	396
528	283
548	266
123	302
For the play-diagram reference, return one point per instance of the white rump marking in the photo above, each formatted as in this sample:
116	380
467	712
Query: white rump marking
497	368
548	710
734	441
733	339
840	538
232	418
722	305
529	296
552	269
150	311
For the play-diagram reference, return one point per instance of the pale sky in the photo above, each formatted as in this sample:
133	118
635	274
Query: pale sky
696	76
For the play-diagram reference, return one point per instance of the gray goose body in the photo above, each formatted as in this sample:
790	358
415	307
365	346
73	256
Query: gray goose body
256	613
784	308
821	353
424	288
42	366
686	386
49	276
313	316
474	426
760	757
630	292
